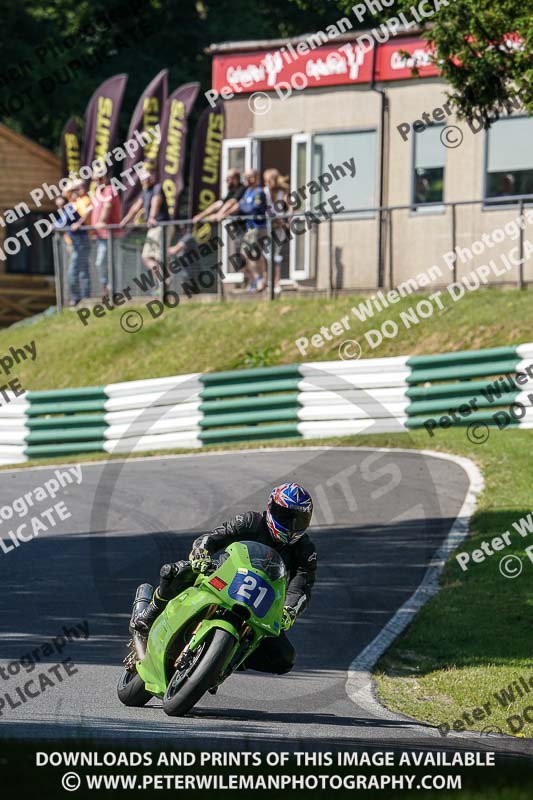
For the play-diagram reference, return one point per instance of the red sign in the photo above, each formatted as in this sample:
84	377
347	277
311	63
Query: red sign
329	65
397	58
263	71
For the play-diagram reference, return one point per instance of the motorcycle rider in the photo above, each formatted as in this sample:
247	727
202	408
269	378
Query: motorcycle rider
282	526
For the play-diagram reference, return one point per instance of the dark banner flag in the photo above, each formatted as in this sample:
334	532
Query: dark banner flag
148	113
206	161
101	118
173	141
71	147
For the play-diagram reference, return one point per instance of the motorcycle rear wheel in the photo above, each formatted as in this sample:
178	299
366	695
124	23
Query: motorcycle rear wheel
188	685
131	691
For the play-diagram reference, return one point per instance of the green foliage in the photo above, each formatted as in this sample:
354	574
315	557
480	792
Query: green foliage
260	357
485	74
55	55
486	71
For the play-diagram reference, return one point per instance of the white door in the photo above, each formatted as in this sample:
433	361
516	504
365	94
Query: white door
300	245
236	154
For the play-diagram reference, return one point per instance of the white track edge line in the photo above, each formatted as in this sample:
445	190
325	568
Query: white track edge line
359	678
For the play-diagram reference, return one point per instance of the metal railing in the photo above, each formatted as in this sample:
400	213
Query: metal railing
362	249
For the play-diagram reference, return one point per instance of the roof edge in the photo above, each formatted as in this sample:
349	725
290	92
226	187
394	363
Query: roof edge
267	44
29	144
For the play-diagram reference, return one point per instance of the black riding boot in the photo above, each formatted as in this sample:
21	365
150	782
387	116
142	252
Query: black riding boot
148	616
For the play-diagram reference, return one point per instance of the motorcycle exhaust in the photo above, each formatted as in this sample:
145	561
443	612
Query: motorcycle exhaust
143	595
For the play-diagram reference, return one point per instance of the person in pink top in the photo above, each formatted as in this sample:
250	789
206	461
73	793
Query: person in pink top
106	211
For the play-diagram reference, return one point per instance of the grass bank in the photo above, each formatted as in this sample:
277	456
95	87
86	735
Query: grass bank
198	337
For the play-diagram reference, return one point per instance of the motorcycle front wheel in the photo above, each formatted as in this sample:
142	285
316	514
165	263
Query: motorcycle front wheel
191	681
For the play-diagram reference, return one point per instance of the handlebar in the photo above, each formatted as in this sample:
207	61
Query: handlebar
213	566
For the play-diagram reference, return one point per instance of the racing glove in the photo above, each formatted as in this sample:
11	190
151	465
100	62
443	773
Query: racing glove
288	619
200	559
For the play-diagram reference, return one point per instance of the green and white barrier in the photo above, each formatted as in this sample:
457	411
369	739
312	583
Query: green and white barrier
310	400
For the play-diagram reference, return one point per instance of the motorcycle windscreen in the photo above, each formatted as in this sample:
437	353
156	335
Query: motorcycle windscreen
261	557
266	559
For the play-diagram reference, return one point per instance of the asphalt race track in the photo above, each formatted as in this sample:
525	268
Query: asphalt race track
380	515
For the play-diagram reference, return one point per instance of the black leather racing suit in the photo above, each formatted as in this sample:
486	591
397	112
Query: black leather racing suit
274	654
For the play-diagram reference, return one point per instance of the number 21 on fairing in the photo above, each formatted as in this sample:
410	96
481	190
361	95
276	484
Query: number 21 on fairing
253	591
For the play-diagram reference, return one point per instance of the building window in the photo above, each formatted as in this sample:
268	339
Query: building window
356	148
429	159
509	159
34	259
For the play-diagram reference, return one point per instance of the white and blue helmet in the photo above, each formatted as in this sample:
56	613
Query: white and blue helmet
289	512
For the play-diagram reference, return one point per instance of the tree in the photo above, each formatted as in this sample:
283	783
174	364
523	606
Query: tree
483	49
54	55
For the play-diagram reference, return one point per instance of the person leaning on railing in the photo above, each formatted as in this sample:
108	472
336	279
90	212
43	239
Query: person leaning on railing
227	205
253	206
153	201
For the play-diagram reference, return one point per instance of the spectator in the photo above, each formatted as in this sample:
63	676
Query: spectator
154	203
226	207
228	204
506	185
61	201
276	192
422	189
253	205
72	220
106	211
82	201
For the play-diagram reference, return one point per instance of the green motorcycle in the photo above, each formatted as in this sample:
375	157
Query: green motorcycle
206	632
